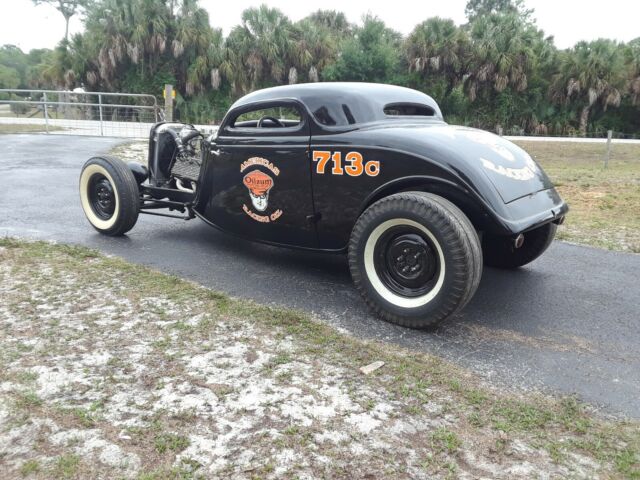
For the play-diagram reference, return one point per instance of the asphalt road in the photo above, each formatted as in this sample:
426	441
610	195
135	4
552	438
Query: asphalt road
568	323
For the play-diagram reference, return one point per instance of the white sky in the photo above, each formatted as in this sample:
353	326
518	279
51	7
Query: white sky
23	24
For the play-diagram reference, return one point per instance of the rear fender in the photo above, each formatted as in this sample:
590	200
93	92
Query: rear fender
474	207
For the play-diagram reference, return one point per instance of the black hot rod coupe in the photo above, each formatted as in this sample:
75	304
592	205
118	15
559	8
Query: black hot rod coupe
365	169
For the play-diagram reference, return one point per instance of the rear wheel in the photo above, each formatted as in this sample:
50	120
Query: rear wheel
109	195
500	251
415	258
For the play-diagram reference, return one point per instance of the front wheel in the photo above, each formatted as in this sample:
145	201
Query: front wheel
415	258
500	252
109	195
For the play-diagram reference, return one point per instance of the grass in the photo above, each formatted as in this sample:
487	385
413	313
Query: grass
170	442
30	467
66	466
477	417
604	202
6	128
444	439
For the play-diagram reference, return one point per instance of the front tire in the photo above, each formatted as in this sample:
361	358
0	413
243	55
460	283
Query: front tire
415	258
109	195
500	252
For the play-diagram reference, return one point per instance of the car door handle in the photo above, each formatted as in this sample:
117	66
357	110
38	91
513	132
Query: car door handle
216	151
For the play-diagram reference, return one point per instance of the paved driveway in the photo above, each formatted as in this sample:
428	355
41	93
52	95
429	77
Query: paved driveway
569	323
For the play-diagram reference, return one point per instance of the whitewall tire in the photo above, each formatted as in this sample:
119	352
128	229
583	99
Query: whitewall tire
109	195
415	258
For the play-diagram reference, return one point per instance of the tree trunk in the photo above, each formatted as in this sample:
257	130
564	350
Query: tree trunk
449	89
584	120
66	29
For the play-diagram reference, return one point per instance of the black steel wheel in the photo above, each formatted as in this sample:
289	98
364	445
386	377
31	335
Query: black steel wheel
500	251
109	195
415	258
102	196
406	260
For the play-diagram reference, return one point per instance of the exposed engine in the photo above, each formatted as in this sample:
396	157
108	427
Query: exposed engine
175	156
187	161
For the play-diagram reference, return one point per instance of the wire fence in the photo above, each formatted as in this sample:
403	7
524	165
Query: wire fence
78	112
132	115
592	135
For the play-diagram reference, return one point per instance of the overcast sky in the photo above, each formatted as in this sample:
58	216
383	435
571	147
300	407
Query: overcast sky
569	21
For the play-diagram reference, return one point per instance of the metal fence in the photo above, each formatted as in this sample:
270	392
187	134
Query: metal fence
78	112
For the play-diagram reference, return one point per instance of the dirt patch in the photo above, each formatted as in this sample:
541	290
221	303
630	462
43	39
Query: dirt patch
110	370
10	128
134	151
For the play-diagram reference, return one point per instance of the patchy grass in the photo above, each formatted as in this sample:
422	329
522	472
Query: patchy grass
605	203
110	370
169	441
26	128
30	467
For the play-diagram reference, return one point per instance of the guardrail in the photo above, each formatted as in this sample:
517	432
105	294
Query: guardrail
80	112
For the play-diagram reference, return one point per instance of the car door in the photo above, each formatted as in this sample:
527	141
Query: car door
262	176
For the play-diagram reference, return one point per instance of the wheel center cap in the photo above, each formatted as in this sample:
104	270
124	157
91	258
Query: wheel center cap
411	259
406	261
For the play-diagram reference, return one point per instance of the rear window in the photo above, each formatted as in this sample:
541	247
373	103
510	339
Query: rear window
334	115
408	110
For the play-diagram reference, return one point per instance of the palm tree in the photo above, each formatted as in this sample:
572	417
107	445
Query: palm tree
314	47
142	45
590	76
126	36
196	49
68	8
438	46
503	54
335	21
259	51
632	59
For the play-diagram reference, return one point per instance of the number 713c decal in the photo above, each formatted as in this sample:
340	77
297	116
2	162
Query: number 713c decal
354	165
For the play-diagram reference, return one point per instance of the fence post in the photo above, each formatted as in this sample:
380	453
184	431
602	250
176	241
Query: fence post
100	110
168	103
608	154
46	114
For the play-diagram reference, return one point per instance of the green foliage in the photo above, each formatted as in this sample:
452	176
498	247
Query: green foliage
591	76
479	8
16	67
371	54
498	71
9	77
437	50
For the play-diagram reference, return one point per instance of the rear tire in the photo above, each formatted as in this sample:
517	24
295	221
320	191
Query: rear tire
415	258
109	195
500	252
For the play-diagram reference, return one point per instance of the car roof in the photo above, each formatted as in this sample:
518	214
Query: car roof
351	102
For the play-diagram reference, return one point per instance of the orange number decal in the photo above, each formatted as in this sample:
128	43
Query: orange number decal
337	163
354	164
372	168
322	158
354	167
